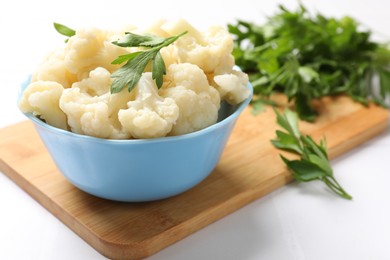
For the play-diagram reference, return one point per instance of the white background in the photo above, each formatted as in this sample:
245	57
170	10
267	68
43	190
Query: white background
298	221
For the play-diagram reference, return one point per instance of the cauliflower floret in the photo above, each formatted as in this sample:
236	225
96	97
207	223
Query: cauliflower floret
210	50
53	69
149	115
91	109
232	86
41	98
170	55
198	102
154	29
89	49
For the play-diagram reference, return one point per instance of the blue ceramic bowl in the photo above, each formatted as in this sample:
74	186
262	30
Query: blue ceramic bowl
140	169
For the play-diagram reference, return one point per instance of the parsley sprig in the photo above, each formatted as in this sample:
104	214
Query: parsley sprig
314	162
307	56
136	62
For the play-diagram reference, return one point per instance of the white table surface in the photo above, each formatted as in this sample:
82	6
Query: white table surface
298	221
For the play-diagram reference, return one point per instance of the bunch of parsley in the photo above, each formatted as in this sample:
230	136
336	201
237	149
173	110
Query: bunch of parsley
309	56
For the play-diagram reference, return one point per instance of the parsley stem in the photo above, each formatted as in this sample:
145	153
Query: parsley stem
332	183
167	42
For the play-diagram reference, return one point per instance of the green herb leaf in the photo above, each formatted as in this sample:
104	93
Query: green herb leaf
64	30
130	73
158	69
314	163
125	57
289	122
304	171
286	142
314	148
135	40
322	163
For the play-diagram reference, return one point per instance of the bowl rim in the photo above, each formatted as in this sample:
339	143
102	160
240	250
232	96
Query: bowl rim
239	108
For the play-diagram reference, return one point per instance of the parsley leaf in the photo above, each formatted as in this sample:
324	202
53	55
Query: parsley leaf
129	74
135	40
158	69
136	62
314	162
125	57
64	30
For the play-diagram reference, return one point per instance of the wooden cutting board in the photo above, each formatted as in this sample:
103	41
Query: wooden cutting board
250	168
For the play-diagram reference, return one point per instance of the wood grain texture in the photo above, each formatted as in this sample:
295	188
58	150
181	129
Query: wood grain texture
250	168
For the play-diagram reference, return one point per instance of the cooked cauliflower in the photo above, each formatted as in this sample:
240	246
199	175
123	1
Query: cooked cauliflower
71	88
210	50
232	86
88	106
198	102
149	115
91	48
41	98
53	69
154	29
170	55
